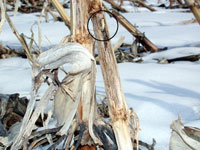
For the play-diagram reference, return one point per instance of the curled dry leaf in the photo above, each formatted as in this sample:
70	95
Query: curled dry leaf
70	53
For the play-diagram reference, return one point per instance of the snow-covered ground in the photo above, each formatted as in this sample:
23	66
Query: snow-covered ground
157	92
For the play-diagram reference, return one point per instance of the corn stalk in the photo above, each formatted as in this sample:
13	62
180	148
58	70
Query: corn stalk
194	8
77	89
3	18
118	110
79	34
62	12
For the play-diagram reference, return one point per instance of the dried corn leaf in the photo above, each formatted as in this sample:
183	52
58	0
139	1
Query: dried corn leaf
29	126
65	107
70	53
180	140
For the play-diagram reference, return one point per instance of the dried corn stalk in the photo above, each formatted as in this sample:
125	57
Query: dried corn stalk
3	18
62	12
87	107
16	7
194	8
67	94
118	109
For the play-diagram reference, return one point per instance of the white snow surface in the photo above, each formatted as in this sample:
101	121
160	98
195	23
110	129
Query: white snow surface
157	92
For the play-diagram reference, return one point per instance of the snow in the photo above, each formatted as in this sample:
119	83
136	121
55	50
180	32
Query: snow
157	92
172	53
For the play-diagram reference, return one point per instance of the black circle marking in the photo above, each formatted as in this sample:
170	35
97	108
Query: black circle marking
94	15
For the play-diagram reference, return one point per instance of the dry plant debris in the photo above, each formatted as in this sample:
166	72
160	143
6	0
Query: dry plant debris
184	138
7	53
45	67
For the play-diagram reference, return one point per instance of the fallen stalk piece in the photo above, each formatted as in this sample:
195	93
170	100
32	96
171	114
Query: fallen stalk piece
115	6
143	4
135	32
184	58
